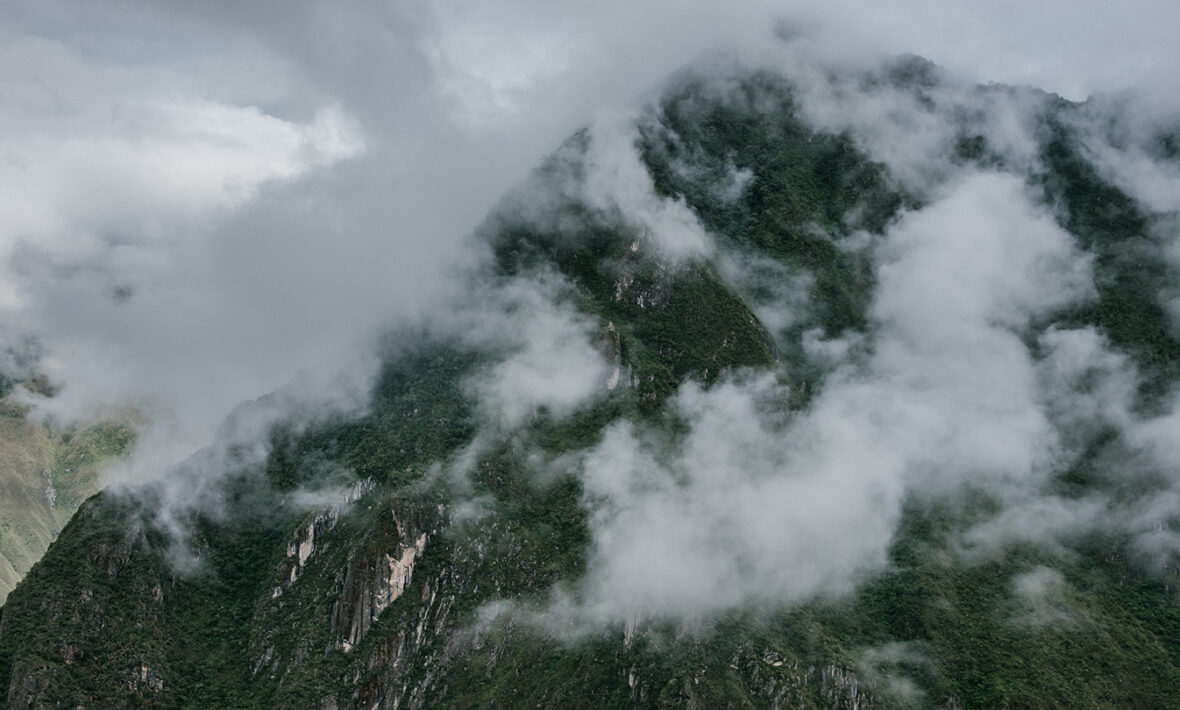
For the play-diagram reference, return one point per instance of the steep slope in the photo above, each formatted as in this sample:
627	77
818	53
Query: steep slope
452	547
45	474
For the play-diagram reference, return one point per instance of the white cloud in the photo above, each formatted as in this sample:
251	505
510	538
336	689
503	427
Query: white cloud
617	181
756	506
550	361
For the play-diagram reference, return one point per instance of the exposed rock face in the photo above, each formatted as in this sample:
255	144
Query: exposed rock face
398	659
146	678
613	351
303	542
368	548
370	586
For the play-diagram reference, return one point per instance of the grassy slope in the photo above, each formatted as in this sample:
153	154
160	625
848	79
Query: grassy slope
33	458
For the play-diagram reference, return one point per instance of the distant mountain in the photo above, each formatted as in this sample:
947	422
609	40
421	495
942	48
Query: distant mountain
45	474
797	388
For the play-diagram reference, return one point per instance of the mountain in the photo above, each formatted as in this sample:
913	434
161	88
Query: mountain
797	388
46	472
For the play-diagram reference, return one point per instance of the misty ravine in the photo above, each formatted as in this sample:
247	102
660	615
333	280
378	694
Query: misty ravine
796	385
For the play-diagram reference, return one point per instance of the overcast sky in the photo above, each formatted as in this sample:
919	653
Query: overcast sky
198	200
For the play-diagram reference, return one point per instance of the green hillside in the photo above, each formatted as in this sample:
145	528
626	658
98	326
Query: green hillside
45	474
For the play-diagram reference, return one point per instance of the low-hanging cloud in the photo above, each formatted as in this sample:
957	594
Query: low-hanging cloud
616	180
549	360
759	505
